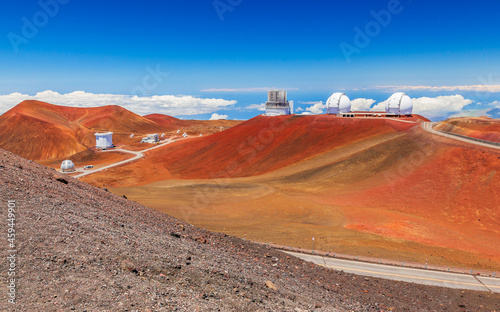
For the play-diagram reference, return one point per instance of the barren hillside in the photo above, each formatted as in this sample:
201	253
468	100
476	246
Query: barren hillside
82	248
477	127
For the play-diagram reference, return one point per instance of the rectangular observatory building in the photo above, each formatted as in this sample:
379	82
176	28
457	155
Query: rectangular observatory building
104	140
277	103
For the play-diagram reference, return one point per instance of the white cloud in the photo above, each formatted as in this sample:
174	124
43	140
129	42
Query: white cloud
471	113
309	102
258	89
261	107
162	104
317	108
298	109
439	106
434	107
478	88
379	106
216	116
361	104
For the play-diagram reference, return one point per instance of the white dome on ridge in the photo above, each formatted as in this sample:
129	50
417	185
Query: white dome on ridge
399	103
338	103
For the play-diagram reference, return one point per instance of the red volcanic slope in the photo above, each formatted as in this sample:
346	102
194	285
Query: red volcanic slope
478	127
263	144
38	130
169	123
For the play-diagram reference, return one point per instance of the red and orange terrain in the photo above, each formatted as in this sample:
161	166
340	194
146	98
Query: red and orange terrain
255	147
477	127
41	131
377	187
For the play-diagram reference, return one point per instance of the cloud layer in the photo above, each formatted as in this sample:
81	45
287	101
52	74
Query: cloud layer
316	108
261	107
163	104
216	116
257	89
361	104
492	88
437	107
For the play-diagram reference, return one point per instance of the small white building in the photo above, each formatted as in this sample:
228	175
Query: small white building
151	138
277	103
67	166
104	140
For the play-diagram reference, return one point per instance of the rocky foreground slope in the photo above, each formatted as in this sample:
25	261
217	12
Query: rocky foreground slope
82	248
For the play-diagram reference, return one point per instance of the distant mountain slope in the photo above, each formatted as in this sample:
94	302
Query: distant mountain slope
82	248
385	186
204	127
477	127
38	130
168	122
41	131
259	145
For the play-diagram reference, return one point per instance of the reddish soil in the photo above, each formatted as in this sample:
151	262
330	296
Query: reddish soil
255	147
43	131
88	157
80	248
390	192
479	127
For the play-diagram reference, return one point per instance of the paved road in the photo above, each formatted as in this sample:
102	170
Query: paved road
137	155
419	276
427	126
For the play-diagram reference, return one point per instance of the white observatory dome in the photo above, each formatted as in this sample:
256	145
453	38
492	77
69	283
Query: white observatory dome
399	103
67	165
338	103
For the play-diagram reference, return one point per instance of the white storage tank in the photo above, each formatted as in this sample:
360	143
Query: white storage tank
104	140
338	103
67	166
399	103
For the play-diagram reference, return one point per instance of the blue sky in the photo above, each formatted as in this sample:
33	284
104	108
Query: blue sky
232	50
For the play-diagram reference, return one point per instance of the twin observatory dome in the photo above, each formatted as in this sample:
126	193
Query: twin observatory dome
398	104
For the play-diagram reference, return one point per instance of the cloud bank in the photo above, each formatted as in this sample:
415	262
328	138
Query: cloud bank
163	104
361	104
261	107
316	108
491	88
257	89
216	116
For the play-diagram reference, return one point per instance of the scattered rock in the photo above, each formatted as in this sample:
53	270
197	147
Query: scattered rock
175	234
270	285
62	180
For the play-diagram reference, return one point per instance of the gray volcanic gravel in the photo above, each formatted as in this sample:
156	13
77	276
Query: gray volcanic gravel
81	248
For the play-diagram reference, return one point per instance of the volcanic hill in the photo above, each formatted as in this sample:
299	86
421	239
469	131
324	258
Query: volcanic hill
477	127
368	186
42	131
82	248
